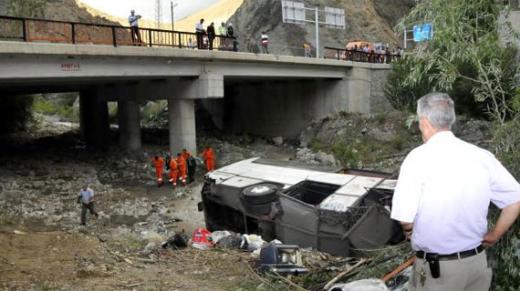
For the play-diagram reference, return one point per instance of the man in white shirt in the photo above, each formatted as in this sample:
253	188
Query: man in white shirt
200	32
133	20
442	198
86	198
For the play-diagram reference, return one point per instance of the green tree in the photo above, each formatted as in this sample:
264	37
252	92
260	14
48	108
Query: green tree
465	58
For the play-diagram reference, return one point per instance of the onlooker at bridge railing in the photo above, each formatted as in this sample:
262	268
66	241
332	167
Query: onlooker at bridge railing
306	50
200	32
230	31
134	27
211	35
264	40
380	55
222	30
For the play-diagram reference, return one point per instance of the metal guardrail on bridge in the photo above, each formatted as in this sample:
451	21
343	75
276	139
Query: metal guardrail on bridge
55	31
359	56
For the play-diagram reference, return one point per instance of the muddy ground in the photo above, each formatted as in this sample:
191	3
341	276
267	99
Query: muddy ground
43	246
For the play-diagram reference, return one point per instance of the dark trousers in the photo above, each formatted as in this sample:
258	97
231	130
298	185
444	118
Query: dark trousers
136	36
210	42
265	49
84	208
200	40
191	174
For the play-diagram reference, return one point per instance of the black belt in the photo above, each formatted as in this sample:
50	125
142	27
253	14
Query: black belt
454	256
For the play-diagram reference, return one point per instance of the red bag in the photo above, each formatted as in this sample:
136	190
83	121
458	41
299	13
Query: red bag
201	239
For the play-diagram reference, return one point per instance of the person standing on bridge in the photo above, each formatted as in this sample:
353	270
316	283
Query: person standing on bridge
264	40
307	50
134	27
222	31
199	31
210	30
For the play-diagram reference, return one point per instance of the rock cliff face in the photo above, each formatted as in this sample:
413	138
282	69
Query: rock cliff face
370	20
66	10
3	7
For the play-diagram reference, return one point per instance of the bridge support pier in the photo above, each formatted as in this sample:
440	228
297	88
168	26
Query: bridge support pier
129	124
94	123
181	121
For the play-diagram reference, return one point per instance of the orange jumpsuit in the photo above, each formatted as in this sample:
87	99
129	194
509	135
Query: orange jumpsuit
209	158
186	155
181	162
174	172
159	168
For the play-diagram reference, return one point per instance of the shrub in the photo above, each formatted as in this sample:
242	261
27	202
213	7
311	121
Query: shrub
48	107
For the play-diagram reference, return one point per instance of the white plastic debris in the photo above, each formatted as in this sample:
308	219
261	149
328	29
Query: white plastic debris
361	285
252	242
216	236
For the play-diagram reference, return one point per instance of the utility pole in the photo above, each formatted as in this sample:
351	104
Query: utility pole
158	13
172	6
316	21
295	12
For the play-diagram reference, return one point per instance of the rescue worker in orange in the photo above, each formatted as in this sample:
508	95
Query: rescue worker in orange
174	172
181	163
192	165
209	158
158	163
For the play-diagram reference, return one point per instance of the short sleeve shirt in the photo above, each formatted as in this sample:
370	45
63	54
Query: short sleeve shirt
445	187
133	20
199	27
86	195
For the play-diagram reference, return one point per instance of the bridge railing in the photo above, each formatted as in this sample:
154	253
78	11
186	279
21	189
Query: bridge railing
55	31
360	56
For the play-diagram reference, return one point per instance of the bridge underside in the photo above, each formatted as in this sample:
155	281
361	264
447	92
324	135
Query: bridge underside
264	95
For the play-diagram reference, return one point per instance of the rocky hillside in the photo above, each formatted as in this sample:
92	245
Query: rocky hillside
371	20
67	10
379	142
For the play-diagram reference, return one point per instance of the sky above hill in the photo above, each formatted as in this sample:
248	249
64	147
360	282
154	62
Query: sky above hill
146	8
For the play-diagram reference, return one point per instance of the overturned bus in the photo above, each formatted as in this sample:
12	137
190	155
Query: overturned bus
331	211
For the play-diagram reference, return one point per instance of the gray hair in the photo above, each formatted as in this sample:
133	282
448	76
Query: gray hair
438	108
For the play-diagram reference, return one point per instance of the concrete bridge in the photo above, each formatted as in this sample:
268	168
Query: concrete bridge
258	94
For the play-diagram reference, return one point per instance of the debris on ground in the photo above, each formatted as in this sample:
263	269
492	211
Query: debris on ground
177	241
365	285
231	241
252	242
282	259
137	242
201	239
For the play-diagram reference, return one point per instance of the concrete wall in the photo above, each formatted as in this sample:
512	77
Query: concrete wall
378	100
286	107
